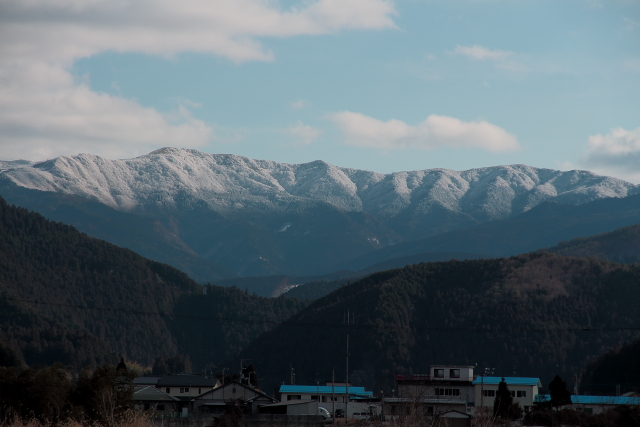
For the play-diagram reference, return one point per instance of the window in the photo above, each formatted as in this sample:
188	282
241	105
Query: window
199	391
324	398
454	373
159	407
522	393
489	393
513	393
146	406
314	397
447	392
438	373
181	389
168	390
294	397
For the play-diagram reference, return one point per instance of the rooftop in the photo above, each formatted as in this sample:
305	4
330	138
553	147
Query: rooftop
151	393
324	389
596	400
186	380
508	380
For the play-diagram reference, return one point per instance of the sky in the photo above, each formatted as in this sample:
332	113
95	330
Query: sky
379	85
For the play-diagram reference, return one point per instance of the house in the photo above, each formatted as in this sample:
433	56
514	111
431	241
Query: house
523	390
453	418
213	403
444	388
333	397
155	402
595	404
186	386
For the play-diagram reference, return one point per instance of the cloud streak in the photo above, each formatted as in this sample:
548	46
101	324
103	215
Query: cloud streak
479	53
616	153
303	134
45	113
434	132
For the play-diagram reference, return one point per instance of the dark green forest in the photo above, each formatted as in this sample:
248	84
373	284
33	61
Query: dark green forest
66	297
621	245
532	315
619	366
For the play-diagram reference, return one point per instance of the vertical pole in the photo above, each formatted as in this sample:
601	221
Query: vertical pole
482	393
346	401
333	400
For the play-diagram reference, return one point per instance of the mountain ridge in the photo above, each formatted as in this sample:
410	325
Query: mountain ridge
261	217
228	182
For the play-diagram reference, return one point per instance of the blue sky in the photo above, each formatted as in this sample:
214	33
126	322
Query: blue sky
369	84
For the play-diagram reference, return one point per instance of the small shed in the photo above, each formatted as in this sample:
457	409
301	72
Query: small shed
453	418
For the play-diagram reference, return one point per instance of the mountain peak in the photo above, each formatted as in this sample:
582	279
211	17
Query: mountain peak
171	177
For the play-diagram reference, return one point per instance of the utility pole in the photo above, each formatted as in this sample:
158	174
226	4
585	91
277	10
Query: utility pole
333	400
293	376
346	403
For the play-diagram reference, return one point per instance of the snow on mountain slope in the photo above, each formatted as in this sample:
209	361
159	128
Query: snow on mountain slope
169	177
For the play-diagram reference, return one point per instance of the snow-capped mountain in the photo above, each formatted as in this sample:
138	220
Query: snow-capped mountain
261	217
169	176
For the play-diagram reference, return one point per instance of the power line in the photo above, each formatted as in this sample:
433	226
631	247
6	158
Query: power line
327	325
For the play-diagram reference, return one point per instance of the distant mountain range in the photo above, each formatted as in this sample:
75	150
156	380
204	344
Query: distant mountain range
216	216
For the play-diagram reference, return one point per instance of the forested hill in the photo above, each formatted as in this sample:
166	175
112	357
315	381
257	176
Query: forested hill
66	297
619	366
621	245
531	315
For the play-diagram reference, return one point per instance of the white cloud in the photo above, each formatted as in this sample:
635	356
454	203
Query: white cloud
44	112
479	53
64	30
502	59
303	134
299	105
616	153
434	132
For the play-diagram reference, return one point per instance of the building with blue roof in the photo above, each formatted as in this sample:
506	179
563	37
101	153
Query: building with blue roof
595	404
523	390
323	393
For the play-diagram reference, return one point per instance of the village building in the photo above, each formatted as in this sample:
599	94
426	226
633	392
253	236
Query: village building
523	390
186	386
444	388
155	403
595	404
213	403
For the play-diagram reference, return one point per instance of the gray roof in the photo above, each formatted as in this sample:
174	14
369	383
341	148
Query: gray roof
146	380
186	380
152	394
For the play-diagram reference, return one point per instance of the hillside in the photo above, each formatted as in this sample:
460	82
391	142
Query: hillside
277	218
621	245
540	227
537	314
617	367
66	297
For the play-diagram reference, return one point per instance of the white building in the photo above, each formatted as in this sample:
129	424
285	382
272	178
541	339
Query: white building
444	388
523	390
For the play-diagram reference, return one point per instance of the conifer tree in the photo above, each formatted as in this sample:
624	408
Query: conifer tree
503	401
558	392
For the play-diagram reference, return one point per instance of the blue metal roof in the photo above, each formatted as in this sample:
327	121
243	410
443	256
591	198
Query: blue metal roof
324	389
508	380
595	400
